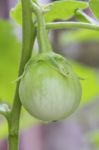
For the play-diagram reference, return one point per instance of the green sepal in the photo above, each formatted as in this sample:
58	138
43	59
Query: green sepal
54	61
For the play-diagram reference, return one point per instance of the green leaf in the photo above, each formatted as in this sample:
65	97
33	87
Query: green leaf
93	138
83	17
94	6
16	13
3	129
9	59
63	9
79	36
90	86
80	18
56	10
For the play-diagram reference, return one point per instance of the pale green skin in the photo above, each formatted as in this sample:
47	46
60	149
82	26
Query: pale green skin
49	94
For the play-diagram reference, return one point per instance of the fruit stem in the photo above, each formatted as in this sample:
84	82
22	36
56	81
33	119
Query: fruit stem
42	36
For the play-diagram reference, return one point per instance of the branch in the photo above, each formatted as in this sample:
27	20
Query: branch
64	25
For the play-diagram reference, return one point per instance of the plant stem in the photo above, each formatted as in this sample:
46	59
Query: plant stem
64	25
27	45
42	36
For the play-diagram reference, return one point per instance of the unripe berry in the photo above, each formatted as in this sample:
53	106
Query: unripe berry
49	89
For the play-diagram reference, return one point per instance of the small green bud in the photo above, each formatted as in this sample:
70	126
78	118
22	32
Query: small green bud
49	89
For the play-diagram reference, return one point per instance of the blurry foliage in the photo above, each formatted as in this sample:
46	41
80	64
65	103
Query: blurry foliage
94	6
26	121
90	81
9	58
79	36
93	139
90	84
66	7
16	13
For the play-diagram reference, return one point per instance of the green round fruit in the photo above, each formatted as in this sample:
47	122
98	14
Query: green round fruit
49	89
